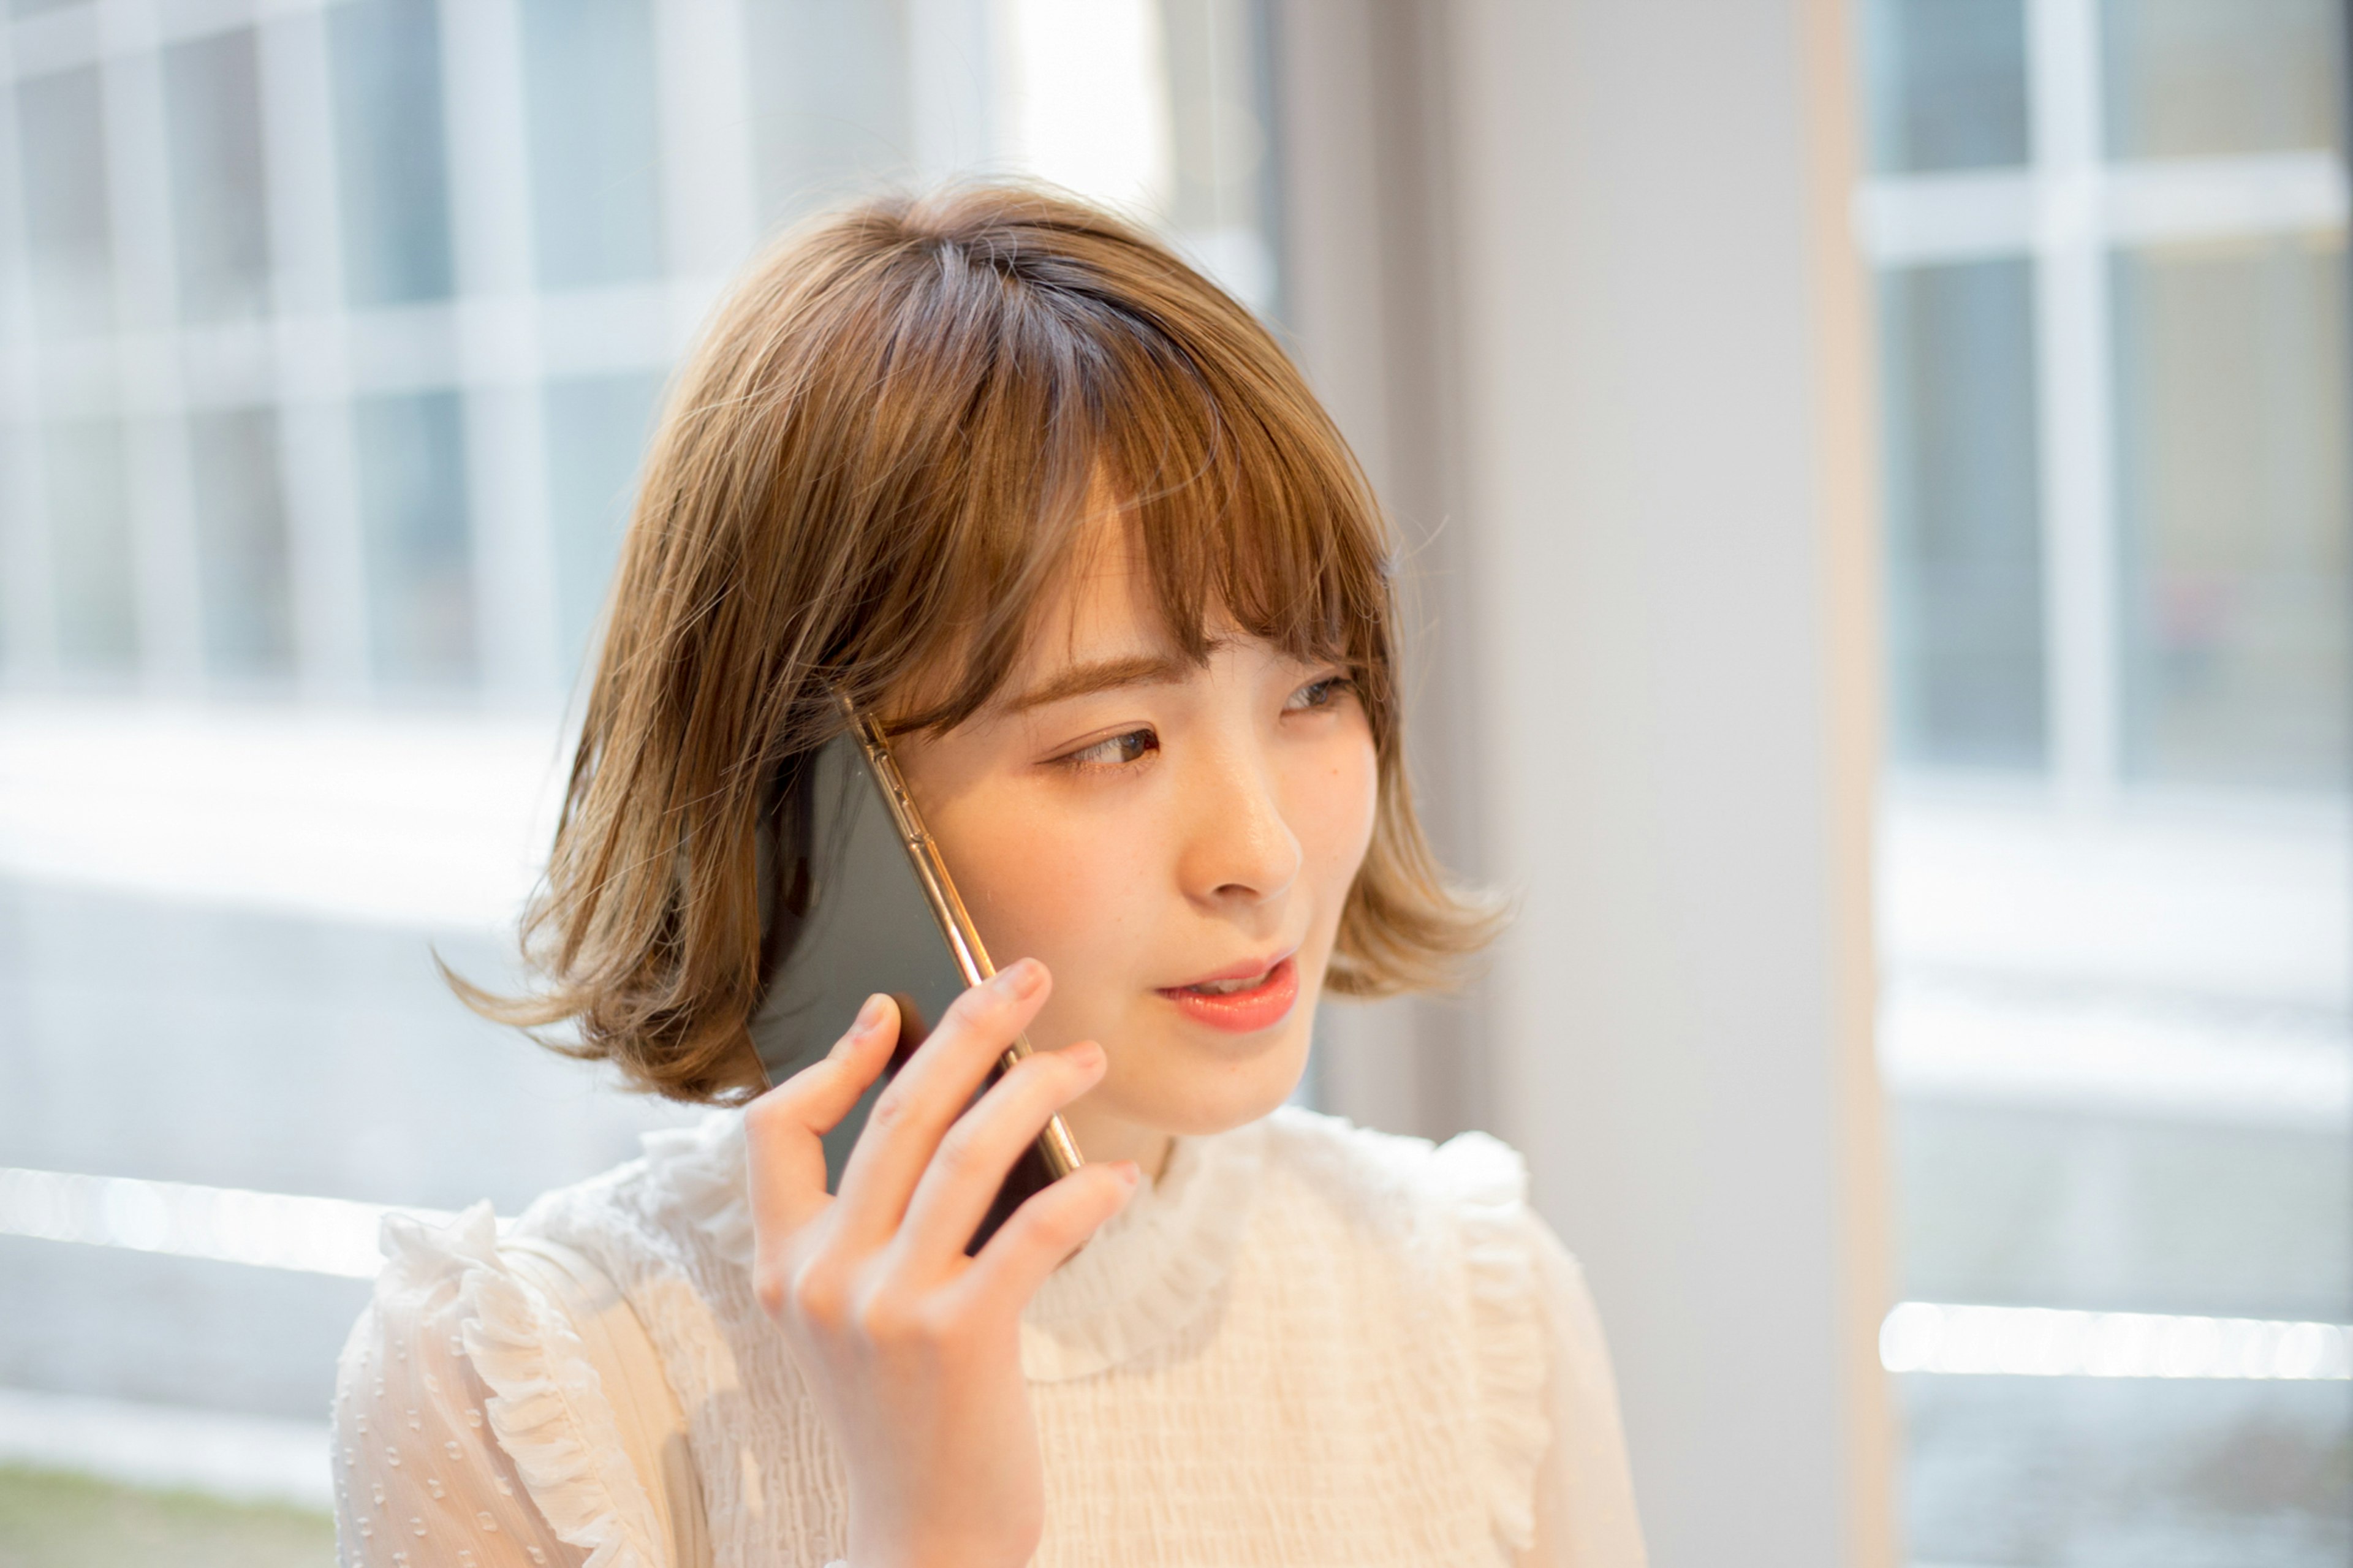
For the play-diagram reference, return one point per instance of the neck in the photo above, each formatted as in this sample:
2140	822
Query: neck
1105	1138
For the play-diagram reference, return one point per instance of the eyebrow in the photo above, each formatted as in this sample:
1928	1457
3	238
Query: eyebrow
1102	675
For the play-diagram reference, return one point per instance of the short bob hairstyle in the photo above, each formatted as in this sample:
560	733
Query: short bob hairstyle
869	473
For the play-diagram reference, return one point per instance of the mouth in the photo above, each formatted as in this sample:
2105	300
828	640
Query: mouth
1240	1003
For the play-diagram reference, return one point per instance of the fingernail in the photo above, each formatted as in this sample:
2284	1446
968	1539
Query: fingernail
1128	1171
869	1019
1021	980
1086	1053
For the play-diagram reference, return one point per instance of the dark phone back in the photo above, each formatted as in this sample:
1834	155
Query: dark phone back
846	918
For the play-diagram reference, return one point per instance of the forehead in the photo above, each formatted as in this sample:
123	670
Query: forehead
1103	598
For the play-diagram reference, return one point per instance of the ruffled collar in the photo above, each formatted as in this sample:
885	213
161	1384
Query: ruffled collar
1150	1272
1153	1268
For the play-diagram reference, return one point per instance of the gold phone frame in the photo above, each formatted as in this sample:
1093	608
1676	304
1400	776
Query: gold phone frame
1055	1144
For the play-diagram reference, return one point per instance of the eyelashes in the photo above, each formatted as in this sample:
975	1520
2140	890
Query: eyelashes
1322	692
1117	752
1131	747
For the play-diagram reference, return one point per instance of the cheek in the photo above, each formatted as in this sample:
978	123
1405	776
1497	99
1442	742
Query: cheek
1337	800
1049	885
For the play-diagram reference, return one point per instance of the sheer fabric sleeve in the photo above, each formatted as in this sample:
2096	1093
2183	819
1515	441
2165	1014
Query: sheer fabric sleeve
470	1429
1585	1514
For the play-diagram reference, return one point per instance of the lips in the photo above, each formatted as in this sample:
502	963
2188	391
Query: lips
1240	1001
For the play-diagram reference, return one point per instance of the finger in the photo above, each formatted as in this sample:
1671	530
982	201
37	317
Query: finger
784	1128
931	1092
973	1159
1044	1231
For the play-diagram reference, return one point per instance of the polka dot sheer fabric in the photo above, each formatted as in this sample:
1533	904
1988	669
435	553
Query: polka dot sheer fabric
420	1479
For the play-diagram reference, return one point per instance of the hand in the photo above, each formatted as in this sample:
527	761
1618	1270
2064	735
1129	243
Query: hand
914	1350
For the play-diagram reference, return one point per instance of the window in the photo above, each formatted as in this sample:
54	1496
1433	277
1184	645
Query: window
391	175
90	512
2231	496
1965	608
596	425
68	237
246	581
1946	85
595	166
220	220
418	552
2109	236
832	103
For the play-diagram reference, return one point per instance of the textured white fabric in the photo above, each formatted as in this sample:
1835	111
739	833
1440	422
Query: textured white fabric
421	1476
651	1427
1308	1344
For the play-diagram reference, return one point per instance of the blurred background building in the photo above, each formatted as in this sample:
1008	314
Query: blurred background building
332	331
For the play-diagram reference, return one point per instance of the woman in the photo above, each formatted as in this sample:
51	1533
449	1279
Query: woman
1019	481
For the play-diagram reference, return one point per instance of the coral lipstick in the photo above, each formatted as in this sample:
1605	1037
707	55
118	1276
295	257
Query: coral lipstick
1263	1000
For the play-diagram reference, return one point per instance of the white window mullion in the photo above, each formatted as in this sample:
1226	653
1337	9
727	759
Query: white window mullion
2168	200
25	572
317	469
2077	434
497	347
1976	214
164	556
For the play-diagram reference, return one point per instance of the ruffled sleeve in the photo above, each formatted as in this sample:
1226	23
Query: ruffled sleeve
1558	1483
471	1428
1584	1494
1486	1182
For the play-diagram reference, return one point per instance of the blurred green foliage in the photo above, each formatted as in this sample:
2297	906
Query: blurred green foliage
51	1520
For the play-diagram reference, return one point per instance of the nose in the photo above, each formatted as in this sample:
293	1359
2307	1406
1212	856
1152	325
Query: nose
1239	848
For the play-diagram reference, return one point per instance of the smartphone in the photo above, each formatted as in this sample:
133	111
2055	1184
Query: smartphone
855	899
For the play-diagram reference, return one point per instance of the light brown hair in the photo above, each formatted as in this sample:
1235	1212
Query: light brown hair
870	469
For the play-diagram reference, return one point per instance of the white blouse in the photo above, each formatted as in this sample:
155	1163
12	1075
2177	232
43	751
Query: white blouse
1306	1343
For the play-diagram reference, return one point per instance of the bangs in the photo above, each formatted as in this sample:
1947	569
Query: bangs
1250	512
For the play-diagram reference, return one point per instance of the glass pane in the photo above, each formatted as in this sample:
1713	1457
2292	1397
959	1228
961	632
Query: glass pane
63	147
389	158
1964	542
2230	373
2192	78
248	616
89	542
829	99
212	104
2084	1472
594	156
2028	1208
420	558
1946	84
283	1050
596	430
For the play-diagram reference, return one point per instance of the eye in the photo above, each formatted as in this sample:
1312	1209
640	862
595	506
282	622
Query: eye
1319	693
1114	752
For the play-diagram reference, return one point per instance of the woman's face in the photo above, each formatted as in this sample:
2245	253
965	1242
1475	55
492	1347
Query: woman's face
1173	841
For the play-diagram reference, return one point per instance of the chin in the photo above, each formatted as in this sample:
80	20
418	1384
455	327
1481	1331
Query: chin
1195	1094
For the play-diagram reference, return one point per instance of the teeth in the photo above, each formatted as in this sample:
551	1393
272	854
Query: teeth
1227	987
